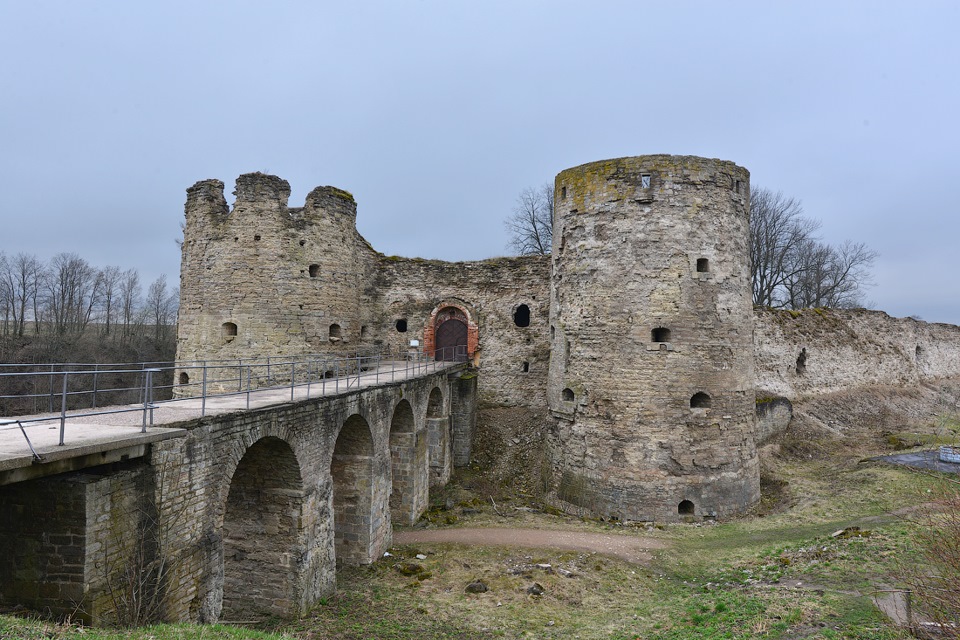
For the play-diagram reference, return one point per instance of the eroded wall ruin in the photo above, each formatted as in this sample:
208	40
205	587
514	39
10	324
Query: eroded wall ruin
817	351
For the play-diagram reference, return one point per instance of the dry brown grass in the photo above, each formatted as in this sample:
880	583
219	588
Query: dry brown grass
575	587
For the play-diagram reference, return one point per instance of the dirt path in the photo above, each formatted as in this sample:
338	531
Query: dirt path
633	549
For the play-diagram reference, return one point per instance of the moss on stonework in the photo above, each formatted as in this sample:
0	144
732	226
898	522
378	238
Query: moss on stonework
341	193
593	177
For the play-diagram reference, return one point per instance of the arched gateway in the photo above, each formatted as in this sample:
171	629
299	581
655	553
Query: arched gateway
451	335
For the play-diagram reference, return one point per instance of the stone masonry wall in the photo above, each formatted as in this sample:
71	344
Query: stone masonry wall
285	280
513	360
817	351
42	533
66	537
640	245
120	533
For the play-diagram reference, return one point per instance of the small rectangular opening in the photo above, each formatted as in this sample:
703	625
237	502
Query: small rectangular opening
645	180
563	193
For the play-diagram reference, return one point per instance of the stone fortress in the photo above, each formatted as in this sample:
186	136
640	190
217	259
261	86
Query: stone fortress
625	376
635	342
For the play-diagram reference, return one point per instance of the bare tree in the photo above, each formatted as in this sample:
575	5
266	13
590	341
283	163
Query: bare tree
828	276
777	232
129	302
792	268
22	276
72	307
530	225
72	292
161	305
6	296
110	278
807	264
850	275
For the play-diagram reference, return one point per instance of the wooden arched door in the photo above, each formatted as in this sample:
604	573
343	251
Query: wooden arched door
451	340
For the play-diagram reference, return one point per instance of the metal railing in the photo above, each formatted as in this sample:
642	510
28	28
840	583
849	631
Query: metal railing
79	389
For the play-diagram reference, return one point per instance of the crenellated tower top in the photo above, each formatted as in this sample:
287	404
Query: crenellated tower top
262	278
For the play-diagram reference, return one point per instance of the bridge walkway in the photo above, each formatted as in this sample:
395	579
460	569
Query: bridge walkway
30	445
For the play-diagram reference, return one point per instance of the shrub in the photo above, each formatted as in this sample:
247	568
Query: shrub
935	576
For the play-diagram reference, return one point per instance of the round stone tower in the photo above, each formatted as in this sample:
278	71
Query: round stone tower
651	327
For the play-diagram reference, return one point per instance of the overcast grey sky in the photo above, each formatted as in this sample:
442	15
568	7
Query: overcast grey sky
436	114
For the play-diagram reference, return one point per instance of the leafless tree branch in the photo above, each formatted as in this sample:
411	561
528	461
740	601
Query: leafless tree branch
792	268
530	225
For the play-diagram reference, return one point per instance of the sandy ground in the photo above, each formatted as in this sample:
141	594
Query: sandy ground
635	549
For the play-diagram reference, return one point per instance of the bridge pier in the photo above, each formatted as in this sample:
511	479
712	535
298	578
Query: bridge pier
438	435
409	496
66	537
463	411
265	531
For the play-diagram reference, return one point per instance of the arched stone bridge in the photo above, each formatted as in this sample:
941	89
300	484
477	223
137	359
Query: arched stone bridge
242	514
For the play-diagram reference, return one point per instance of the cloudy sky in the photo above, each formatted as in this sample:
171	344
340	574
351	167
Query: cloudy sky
436	114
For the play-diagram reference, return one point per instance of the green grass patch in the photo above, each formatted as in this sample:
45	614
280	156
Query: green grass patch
782	576
35	629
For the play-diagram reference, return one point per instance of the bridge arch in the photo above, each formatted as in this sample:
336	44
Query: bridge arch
263	532
355	523
435	408
439	439
408	465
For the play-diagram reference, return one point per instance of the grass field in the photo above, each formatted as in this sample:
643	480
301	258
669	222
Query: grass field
778	573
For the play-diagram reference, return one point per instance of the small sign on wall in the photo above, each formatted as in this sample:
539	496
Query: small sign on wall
414	343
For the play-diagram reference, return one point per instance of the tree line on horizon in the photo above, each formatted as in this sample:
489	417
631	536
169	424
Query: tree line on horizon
791	266
66	309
